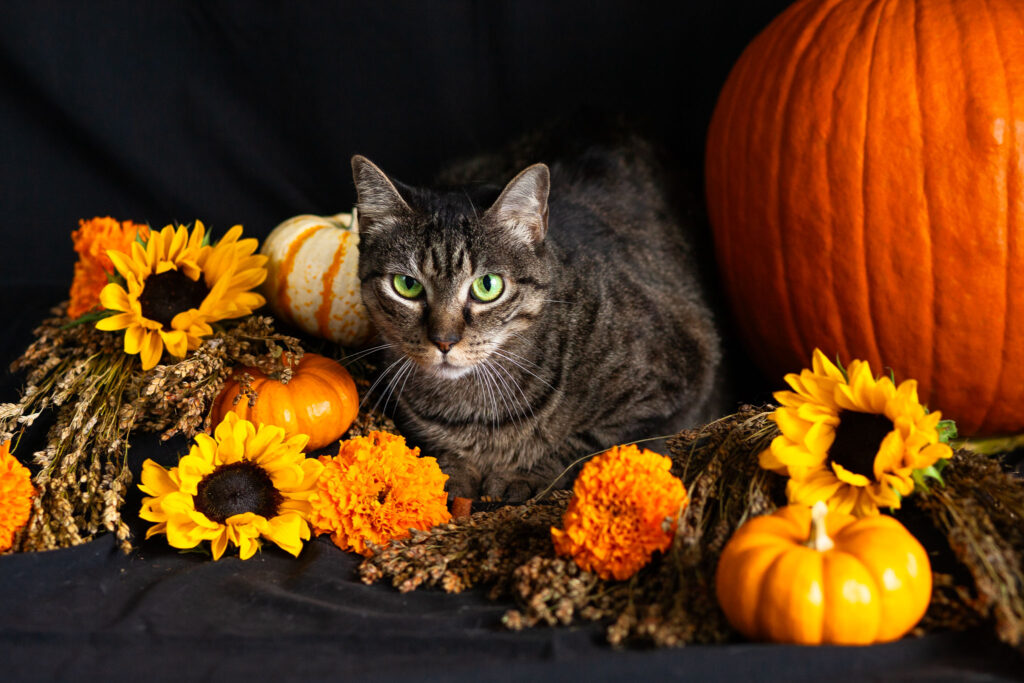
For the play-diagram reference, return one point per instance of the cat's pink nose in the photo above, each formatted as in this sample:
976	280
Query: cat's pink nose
445	342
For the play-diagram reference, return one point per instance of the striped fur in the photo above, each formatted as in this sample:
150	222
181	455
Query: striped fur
601	336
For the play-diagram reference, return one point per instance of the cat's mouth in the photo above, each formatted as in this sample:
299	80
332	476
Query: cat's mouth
441	366
448	370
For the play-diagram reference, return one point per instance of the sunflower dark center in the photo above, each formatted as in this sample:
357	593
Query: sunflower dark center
167	294
236	488
858	437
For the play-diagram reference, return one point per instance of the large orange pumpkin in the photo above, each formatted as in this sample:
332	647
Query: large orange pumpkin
865	181
320	401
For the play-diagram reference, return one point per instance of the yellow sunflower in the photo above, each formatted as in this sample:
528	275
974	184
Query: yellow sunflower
175	285
243	484
851	439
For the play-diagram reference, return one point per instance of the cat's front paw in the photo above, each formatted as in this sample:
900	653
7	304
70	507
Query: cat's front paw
463	478
512	486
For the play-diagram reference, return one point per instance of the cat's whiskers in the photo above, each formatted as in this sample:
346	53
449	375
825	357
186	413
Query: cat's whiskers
513	415
501	353
476	371
518	356
365	352
377	381
519	388
409	373
472	204
495	379
393	383
557	301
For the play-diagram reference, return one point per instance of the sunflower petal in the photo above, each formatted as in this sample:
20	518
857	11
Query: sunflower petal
288	531
124	264
176	342
821	485
846	476
115	322
113	297
134	337
192	468
156	481
219	544
152	349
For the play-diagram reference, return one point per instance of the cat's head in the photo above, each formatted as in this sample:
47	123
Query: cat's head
448	281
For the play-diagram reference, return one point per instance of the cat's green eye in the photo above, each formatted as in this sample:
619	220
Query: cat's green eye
407	286
487	288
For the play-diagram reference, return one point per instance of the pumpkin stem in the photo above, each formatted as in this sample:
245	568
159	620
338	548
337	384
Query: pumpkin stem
819	539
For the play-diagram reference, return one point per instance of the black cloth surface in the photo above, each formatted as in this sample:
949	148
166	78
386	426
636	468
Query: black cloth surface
248	113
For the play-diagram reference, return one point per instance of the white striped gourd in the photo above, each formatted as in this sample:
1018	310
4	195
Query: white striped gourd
312	279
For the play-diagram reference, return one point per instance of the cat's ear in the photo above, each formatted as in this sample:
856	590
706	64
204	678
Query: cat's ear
522	207
379	202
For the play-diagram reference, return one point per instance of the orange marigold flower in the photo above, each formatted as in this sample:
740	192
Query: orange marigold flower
625	505
16	493
92	240
376	489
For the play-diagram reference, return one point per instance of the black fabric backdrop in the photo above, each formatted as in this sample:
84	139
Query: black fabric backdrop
248	113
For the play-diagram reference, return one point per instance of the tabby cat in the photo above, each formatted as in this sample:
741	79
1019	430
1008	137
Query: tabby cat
530	325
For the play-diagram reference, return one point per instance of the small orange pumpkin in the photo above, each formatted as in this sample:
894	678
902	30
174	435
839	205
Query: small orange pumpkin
320	400
795	576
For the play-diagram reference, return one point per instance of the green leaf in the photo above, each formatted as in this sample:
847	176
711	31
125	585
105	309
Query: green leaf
206	238
87	318
922	475
116	279
201	549
839	364
947	430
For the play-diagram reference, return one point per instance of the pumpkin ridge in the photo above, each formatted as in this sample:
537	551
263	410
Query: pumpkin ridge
1014	247
953	304
880	551
340	383
288	265
834	157
783	589
833	566
834	254
927	351
865	243
995	388
800	169
746	587
272	405
928	140
803	41
310	387
323	312
719	136
320	390
751	71
892	196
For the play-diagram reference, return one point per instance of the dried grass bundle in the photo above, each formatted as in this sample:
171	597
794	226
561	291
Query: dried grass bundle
100	395
670	602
